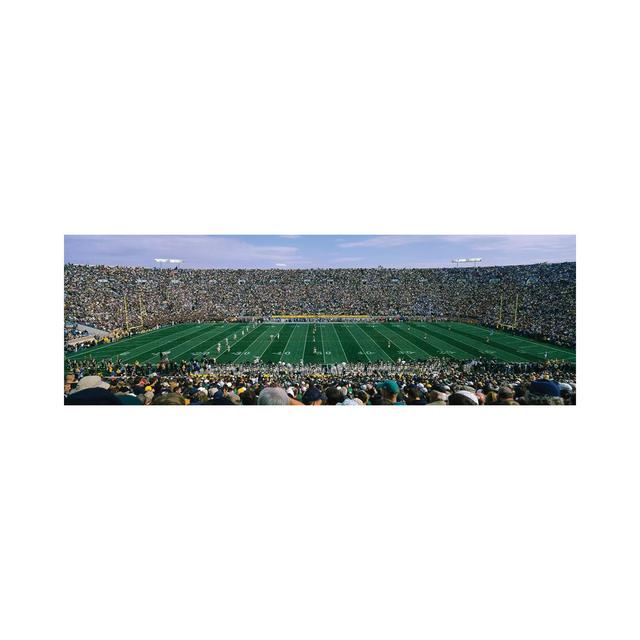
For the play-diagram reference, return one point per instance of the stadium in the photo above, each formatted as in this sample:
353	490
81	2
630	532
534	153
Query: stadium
464	334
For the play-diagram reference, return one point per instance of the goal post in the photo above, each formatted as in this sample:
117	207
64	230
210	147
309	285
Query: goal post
127	323
508	307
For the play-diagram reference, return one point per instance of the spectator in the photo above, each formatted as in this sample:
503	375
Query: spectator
389	390
546	296
506	396
543	392
414	396
169	399
273	396
463	397
334	396
433	380
92	395
314	397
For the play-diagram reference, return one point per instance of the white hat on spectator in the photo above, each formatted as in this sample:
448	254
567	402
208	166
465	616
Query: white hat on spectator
90	382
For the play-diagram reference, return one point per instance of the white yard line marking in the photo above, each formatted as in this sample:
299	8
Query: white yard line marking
304	344
251	343
465	339
227	326
344	353
377	348
269	345
287	344
153	344
517	339
208	337
322	346
124	342
358	342
411	344
172	337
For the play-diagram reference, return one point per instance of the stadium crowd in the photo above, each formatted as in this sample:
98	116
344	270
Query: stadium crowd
435	382
541	296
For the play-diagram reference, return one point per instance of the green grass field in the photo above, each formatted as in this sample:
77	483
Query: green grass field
333	342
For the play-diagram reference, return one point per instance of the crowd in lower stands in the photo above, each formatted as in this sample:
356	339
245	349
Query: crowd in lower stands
542	297
435	382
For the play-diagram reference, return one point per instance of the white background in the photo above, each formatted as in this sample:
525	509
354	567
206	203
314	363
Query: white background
333	117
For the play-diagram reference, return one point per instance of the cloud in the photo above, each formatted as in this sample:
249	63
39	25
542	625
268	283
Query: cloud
515	249
382	241
196	251
266	251
347	260
513	242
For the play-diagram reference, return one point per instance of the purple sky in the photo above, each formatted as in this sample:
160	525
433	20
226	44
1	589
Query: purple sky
309	251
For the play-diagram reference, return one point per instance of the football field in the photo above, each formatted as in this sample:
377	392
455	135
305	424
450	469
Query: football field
326	342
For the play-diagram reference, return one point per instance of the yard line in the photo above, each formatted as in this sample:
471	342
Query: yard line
518	339
294	358
444	344
181	346
151	345
287	344
266	328
515	349
231	327
225	357
513	354
429	348
249	332
269	345
226	327
380	352
113	346
431	343
310	351
215	330
389	331
368	329
357	341
508	340
478	344
445	348
304	343
276	330
332	341
339	342
405	340
322	346
256	328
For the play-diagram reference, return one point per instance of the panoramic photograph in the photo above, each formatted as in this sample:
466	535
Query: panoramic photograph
319	320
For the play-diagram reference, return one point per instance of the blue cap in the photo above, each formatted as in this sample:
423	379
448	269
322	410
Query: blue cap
545	388
312	394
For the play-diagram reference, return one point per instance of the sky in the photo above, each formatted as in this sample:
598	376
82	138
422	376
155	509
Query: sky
315	251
